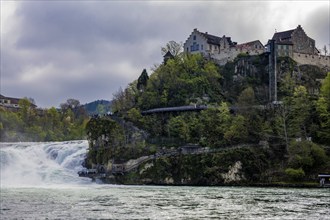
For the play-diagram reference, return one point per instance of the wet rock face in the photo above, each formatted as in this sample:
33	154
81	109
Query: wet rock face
245	67
234	174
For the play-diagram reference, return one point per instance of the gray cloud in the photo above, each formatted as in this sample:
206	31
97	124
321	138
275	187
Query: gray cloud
318	27
55	50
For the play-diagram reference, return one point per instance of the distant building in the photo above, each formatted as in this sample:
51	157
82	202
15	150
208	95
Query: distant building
220	49
11	103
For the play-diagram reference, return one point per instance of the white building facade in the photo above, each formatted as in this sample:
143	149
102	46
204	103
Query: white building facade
220	49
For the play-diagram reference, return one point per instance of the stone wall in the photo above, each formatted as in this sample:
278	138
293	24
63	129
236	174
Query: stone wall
317	60
301	42
231	53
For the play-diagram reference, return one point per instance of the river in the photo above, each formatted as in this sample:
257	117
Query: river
39	181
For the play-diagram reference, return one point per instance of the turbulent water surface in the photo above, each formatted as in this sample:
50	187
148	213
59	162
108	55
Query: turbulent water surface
39	181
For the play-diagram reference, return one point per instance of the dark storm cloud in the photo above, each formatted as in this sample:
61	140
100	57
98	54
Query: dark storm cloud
80	25
71	45
54	50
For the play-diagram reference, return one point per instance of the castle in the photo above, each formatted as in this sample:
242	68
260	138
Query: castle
292	43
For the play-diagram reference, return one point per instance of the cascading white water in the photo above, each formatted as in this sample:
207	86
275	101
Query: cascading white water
42	164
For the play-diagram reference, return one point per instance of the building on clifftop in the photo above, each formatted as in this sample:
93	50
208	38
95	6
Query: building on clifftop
220	49
296	44
295	40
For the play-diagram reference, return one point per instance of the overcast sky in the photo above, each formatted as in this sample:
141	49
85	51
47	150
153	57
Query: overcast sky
55	50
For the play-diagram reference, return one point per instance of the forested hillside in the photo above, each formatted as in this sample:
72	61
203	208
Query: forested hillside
30	124
292	135
98	107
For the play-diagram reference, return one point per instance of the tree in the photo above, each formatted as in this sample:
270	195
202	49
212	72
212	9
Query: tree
281	119
179	128
325	50
300	113
53	118
70	103
181	82
237	132
295	174
294	114
134	115
246	101
123	100
323	109
173	47
100	109
215	122
246	98
287	85
26	111
325	89
74	110
142	80
306	155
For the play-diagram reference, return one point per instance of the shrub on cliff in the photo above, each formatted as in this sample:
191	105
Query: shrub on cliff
295	174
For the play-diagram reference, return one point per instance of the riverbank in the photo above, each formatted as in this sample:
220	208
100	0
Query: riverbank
121	180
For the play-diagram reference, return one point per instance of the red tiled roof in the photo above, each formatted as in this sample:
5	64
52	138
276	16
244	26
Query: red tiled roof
248	44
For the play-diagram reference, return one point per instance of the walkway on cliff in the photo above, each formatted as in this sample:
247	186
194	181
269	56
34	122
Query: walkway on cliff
195	108
135	163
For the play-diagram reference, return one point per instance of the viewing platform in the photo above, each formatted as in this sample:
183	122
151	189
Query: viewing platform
175	109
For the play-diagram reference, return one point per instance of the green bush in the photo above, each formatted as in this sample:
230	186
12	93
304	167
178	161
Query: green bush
295	174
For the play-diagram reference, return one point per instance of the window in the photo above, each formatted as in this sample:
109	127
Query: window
194	37
187	49
202	47
194	47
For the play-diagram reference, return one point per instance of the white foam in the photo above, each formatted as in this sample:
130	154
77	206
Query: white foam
42	164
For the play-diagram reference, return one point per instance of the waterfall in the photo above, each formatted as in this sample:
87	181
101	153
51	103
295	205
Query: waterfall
42	163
